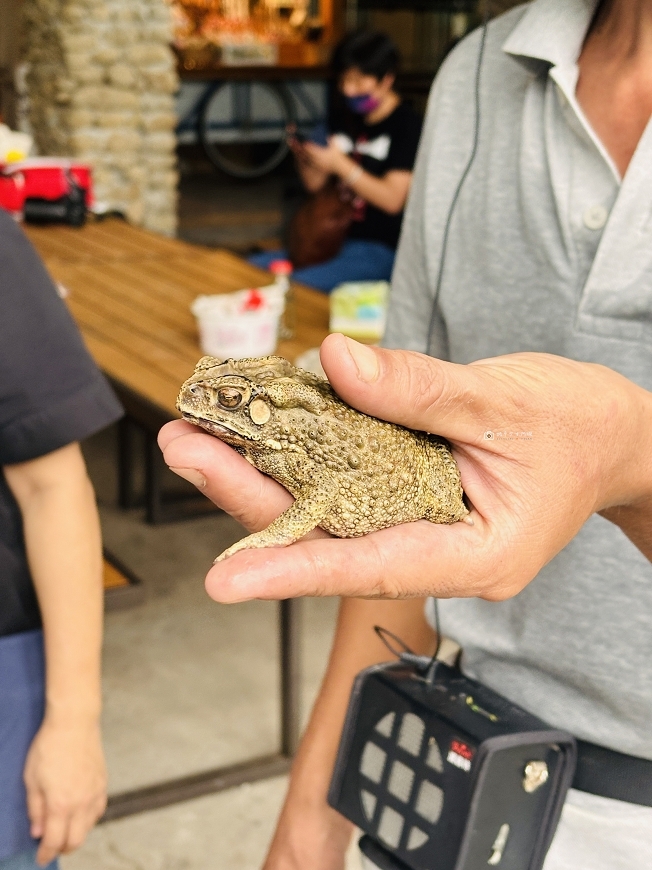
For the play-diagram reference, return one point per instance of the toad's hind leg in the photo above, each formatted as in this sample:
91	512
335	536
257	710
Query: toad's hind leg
441	514
447	497
312	506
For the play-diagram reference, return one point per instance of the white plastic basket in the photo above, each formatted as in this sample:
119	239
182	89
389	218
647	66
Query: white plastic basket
228	328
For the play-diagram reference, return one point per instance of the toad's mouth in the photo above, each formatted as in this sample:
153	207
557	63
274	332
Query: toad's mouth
224	433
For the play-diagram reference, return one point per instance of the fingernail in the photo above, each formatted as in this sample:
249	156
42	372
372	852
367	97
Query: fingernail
365	360
191	475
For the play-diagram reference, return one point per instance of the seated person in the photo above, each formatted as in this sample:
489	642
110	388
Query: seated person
371	151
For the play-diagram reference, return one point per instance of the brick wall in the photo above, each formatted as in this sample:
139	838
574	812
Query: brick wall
100	81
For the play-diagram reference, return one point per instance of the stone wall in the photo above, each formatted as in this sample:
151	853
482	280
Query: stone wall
101	79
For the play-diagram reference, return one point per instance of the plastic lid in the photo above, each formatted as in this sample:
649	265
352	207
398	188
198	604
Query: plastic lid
254	300
281	267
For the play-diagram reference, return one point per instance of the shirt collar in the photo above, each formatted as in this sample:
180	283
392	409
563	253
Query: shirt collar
552	31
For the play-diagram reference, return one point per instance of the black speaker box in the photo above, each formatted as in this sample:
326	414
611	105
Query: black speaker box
442	773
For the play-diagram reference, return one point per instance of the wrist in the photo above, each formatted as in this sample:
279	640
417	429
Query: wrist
309	835
345	166
73	713
629	487
642	463
353	176
630	507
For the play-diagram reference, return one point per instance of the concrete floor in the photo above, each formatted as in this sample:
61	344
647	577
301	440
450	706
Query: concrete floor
226	831
189	685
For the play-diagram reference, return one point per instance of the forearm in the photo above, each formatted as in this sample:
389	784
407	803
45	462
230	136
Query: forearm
636	522
355	647
312	178
632	512
63	543
388	193
70	597
309	832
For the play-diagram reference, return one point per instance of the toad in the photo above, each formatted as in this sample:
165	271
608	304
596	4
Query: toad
349	473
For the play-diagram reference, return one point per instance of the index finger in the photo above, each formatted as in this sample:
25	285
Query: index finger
410	560
55	835
250	497
313	149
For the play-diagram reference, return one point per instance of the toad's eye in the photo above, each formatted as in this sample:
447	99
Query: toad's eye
229	397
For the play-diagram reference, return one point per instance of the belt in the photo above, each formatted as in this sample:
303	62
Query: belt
612	774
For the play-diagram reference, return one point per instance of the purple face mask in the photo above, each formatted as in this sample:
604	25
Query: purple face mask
362	104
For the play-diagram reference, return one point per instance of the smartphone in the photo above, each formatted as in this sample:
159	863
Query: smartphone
318	134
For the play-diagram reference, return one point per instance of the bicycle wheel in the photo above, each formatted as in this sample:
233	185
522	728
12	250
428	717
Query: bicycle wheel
242	127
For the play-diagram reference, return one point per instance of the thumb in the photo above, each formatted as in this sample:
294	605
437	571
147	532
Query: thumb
411	389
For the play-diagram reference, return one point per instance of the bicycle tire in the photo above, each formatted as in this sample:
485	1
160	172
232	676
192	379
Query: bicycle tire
221	160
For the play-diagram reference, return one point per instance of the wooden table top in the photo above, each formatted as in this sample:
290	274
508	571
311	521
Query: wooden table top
130	292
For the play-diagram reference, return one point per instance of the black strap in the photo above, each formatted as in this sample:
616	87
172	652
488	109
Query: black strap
612	774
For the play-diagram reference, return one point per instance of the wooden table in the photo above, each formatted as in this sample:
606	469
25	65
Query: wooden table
130	291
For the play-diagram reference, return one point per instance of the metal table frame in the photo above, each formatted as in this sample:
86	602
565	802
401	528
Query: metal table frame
149	418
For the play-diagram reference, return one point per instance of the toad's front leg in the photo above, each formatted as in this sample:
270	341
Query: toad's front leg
307	512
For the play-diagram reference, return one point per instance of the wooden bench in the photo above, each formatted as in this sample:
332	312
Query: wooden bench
130	292
121	587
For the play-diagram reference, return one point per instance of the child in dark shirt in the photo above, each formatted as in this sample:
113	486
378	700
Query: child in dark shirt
371	151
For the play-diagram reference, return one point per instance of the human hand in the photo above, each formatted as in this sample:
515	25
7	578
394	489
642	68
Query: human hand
327	158
568	441
225	477
298	149
65	778
309	837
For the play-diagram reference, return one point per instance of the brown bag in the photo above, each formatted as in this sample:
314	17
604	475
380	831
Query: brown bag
319	227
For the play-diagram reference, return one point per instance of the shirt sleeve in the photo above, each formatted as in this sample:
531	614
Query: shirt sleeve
413	323
415	320
405	141
51	391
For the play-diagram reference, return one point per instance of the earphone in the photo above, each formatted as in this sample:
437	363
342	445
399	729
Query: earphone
463	177
447	226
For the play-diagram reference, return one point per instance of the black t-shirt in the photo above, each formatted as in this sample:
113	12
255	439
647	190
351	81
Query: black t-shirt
51	394
389	144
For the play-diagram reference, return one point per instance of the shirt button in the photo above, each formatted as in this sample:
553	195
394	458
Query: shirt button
595	217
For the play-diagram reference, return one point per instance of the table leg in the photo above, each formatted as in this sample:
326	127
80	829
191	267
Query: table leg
126	496
153	486
209	782
290	660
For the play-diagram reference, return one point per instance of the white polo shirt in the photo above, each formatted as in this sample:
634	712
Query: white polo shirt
548	250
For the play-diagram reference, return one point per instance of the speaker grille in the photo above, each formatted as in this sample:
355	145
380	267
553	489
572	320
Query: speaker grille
430	802
400	782
390	827
386	724
399	774
411	734
372	763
